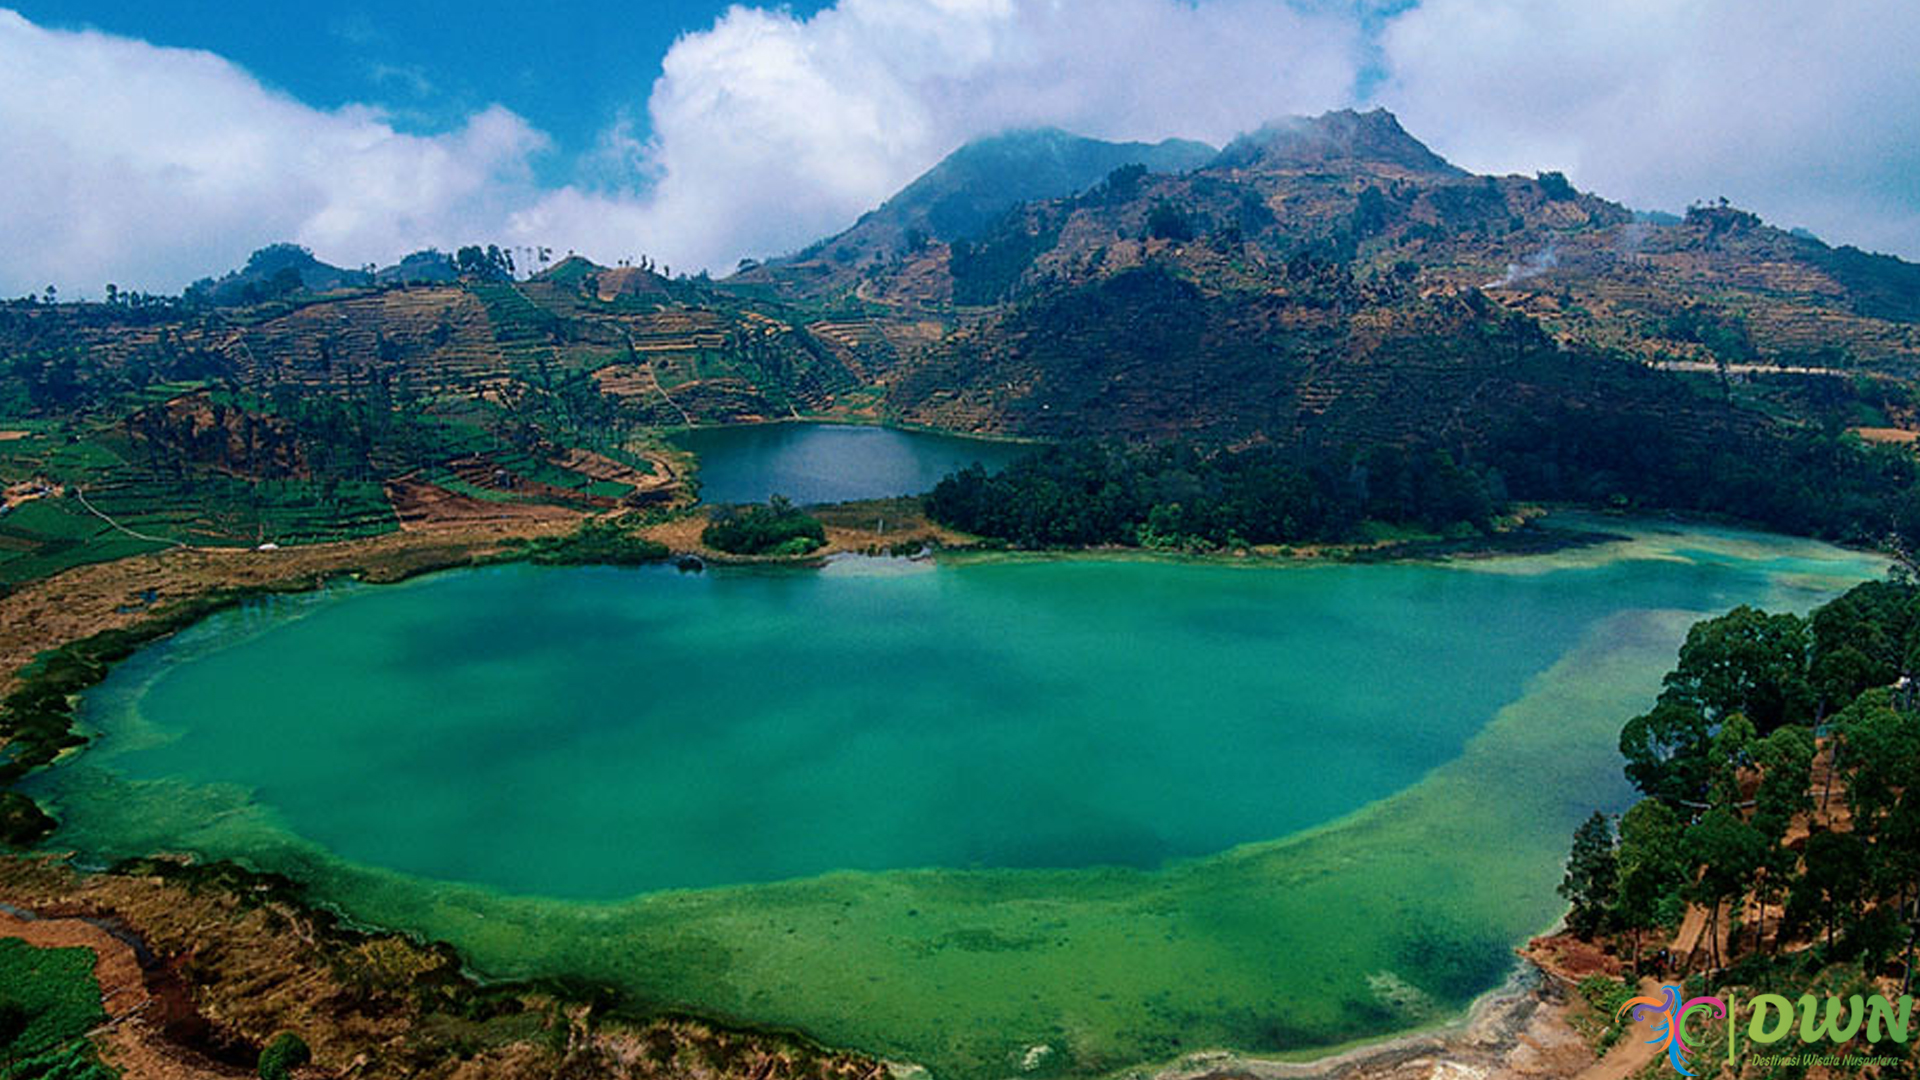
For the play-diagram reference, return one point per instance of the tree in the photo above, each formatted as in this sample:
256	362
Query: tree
1785	759
1123	183
1725	850
1667	751
1834	881
1555	187
1883	745
1371	212
1165	221
1592	875
488	264
1747	662
1732	752
1651	870
778	528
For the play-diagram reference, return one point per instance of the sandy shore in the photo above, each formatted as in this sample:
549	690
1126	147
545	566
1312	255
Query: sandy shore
1522	1031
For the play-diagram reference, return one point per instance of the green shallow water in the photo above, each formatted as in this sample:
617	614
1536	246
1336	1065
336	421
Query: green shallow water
1120	809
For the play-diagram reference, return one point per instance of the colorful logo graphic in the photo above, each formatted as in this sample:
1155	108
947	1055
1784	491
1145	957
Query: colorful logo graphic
1669	1016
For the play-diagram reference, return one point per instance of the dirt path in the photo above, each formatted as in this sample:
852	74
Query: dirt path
1628	1056
129	1040
1687	942
97	512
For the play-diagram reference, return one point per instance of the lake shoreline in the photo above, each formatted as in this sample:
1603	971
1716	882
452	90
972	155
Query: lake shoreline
1466	1039
1521	1028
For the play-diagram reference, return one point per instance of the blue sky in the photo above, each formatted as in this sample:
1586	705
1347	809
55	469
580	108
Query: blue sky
431	63
148	144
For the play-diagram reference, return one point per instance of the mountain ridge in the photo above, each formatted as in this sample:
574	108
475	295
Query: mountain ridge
1328	287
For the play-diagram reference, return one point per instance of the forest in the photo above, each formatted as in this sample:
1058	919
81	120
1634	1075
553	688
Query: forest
1809	480
1777	771
1179	496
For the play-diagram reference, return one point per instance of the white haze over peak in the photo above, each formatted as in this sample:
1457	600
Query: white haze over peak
122	161
1807	113
152	166
770	131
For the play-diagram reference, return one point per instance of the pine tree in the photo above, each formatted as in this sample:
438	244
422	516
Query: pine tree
1592	873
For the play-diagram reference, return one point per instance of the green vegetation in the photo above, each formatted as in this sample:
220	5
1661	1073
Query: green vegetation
597	541
1604	1025
778	529
1167	221
1592	874
47	535
1555	187
1726	758
284	1054
986	270
491	264
1179	497
22	822
49	1000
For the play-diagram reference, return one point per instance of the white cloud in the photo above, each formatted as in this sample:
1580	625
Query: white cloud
149	167
770	131
1805	113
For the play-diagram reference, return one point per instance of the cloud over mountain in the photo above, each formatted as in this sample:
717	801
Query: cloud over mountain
1805	113
770	130
149	166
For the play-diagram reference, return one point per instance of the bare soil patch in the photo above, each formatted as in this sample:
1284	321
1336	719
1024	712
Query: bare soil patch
423	507
1886	434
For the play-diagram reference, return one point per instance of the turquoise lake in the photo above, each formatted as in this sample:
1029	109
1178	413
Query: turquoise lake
948	812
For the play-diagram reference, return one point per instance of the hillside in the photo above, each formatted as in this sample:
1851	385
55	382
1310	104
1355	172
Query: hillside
1316	271
1321	284
1326	245
967	192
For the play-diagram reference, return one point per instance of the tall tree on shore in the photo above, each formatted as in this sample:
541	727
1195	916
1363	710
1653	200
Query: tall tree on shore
1785	759
1592	875
1667	751
1834	883
1746	662
1651	870
1725	851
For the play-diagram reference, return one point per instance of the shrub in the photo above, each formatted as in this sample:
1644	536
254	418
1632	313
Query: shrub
22	822
597	541
51	1002
284	1054
778	528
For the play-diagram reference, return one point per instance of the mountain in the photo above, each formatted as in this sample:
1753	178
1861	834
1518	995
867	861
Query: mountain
1322	285
975	185
1334	275
982	180
1370	141
273	271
